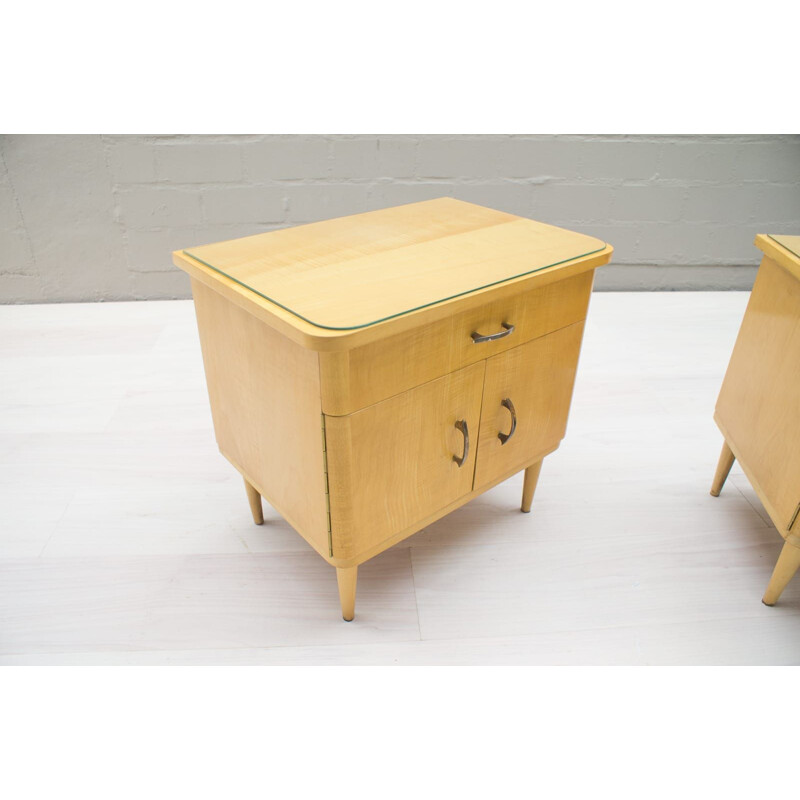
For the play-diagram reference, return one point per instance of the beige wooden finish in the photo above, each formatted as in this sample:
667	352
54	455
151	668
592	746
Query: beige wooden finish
347	577
355	436
726	459
392	464
350	273
758	409
785	569
353	379
537	379
325	339
254	498
783	249
529	486
264	393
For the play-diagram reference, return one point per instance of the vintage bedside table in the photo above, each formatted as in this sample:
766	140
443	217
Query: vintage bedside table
369	374
758	409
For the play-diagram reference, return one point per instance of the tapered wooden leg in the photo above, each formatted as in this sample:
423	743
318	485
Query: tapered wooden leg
346	578
788	562
255	503
529	487
726	459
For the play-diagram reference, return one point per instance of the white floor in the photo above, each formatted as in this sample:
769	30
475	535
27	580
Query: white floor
125	538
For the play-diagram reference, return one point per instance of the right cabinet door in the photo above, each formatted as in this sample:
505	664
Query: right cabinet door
526	398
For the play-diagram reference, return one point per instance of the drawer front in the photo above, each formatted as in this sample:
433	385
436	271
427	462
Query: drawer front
526	399
392	464
358	378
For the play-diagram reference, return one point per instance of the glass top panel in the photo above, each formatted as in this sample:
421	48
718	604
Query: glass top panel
791	243
357	271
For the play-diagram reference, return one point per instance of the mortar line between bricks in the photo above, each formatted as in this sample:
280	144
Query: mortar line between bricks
643	183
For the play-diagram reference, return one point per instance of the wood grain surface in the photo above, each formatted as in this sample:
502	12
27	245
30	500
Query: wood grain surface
391	465
353	379
537	378
356	271
264	393
758	408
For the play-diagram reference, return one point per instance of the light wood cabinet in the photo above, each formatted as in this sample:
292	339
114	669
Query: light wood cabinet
758	409
368	375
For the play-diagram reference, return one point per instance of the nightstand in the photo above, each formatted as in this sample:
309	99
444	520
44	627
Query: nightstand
758	409
370	374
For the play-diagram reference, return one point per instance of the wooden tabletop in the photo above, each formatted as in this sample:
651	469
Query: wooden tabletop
356	271
783	249
791	243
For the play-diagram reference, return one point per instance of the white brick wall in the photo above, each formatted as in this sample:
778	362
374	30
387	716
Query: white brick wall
95	217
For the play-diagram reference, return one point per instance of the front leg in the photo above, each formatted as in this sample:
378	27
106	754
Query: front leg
255	502
529	487
346	577
788	563
726	459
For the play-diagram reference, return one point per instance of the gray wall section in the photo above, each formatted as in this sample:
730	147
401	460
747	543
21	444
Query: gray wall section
95	217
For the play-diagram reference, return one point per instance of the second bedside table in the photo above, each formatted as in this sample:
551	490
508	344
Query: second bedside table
758	409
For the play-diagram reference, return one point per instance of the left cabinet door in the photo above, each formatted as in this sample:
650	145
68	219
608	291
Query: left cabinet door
394	463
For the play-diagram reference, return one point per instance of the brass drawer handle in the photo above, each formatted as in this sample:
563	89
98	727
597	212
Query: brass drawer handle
492	337
462	426
504	437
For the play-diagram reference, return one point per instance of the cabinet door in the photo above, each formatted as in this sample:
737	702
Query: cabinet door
526	400
392	464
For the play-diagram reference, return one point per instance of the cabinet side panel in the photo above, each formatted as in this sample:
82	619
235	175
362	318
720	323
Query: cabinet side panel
759	403
265	403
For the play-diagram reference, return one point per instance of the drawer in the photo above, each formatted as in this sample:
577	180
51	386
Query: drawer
392	464
357	378
526	399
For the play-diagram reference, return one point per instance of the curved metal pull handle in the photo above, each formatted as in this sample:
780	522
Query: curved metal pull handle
462	426
507	331
504	437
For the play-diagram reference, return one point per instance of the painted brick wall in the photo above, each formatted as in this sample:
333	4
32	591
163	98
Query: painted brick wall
95	217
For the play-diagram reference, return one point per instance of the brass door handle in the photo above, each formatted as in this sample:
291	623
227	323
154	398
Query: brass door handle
462	426
491	337
504	437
